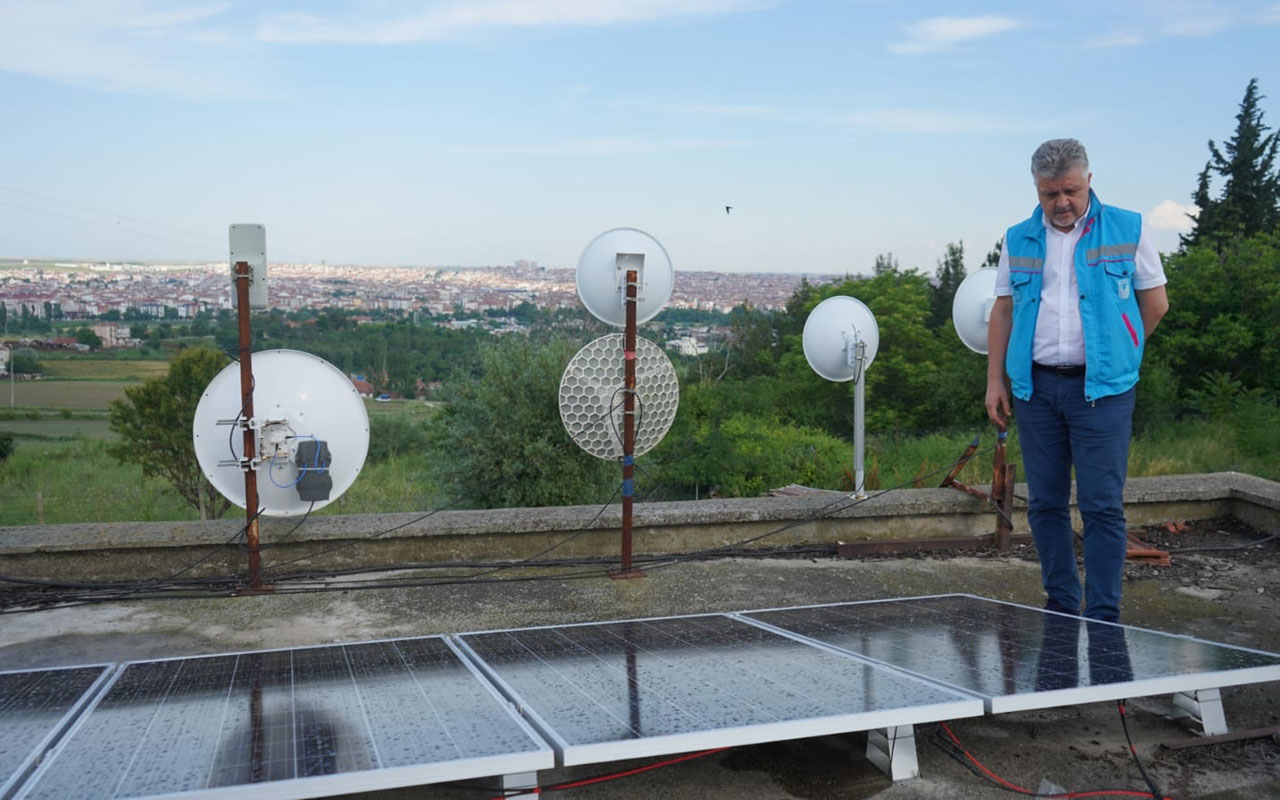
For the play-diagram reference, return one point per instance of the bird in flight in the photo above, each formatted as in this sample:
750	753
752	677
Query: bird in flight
727	209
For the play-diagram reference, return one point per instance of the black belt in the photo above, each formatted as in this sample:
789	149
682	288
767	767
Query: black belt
1064	371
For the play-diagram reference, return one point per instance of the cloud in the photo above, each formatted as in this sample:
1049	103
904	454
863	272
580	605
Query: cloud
1272	15
704	109
603	146
1195	25
447	20
919	120
1172	216
117	45
942	33
1116	40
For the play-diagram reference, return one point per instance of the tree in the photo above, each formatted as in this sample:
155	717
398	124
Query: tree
498	440
993	256
87	336
1250	199
7	445
154	425
950	274
885	262
25	362
1223	307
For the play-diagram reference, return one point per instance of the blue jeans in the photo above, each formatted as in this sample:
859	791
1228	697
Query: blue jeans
1059	429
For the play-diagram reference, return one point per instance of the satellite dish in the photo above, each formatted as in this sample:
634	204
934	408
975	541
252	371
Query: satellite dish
840	341
602	274
591	396
311	428
832	334
971	308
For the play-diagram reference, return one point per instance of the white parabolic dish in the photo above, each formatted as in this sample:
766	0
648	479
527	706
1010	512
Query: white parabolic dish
833	326
308	393
971	308
601	285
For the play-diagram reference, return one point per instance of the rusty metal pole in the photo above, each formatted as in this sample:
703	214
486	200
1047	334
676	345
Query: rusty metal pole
1002	493
628	426
246	412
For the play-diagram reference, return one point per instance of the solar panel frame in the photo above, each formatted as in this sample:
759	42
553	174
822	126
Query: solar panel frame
299	788
10	783
959	705
1052	698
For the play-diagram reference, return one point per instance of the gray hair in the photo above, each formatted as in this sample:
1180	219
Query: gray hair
1057	157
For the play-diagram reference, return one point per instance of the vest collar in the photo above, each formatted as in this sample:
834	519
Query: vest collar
1036	227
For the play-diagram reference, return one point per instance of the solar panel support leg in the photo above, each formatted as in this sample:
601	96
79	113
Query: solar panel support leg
1204	707
518	781
893	751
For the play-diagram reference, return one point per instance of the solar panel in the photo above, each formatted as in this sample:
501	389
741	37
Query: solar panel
35	708
607	691
1018	658
309	722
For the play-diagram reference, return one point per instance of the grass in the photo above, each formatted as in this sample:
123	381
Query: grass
66	394
416	409
97	369
76	481
56	428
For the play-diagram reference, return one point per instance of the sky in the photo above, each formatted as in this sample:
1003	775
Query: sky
479	132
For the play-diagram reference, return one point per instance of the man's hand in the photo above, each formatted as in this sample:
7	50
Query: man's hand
998	409
998	328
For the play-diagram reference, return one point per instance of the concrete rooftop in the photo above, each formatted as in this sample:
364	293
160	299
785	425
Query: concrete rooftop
1232	596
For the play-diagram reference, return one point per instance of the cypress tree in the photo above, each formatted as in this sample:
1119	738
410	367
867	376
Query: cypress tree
1250	198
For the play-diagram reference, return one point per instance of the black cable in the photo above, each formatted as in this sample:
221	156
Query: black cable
127	591
292	530
1225	547
1134	750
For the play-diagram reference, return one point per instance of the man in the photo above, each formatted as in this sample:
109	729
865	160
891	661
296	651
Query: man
1079	288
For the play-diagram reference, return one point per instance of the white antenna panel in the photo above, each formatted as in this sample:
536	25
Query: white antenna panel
249	244
833	334
602	276
299	402
591	396
971	308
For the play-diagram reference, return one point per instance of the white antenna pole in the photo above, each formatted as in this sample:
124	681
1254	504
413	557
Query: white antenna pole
859	422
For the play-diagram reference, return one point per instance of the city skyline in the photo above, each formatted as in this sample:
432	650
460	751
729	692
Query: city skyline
746	135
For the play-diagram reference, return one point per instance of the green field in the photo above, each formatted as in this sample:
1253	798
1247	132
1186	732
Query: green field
85	369
55	428
416	409
65	394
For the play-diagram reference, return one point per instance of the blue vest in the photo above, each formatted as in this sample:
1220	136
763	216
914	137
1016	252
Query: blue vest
1109	316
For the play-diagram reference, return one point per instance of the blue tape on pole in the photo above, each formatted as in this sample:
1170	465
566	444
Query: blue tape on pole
628	461
628	487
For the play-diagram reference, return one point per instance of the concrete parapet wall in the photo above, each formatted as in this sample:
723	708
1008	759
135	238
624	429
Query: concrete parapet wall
145	550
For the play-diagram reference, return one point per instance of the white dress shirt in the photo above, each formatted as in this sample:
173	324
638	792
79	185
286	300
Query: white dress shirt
1059	339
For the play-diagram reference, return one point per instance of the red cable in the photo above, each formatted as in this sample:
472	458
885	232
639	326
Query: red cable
1021	790
615	775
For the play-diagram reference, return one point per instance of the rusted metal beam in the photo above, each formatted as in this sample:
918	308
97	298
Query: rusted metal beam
242	276
626	570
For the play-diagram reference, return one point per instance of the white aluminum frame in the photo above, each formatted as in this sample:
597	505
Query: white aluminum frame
568	754
1000	704
542	757
10	784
